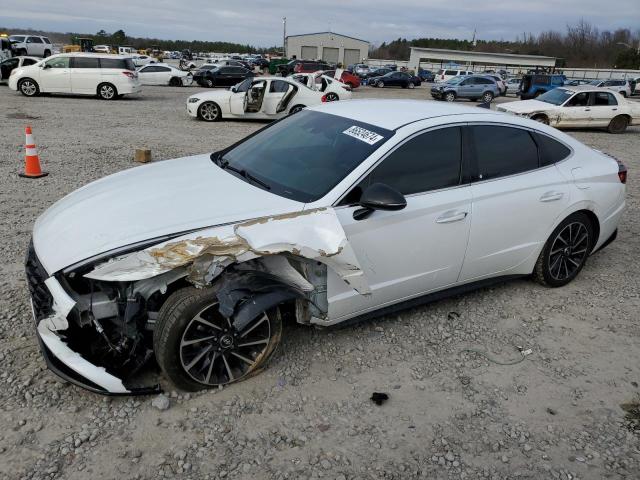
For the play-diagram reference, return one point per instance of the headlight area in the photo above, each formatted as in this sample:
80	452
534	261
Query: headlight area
193	100
97	335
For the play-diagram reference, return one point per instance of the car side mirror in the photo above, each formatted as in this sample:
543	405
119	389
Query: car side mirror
233	89
379	197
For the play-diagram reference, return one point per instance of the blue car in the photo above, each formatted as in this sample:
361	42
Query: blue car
471	87
534	85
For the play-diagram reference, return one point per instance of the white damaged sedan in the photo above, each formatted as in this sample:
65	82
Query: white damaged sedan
260	98
581	106
342	211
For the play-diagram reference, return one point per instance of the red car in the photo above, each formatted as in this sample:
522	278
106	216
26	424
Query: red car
347	77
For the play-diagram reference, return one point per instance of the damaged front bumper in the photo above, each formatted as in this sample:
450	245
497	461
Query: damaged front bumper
51	306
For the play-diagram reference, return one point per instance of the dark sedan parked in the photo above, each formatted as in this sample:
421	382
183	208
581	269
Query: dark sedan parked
221	76
395	79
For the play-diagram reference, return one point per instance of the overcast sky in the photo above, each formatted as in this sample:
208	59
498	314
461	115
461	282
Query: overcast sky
259	22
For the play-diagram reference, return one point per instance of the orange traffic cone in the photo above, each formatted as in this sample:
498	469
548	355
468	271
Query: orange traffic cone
31	159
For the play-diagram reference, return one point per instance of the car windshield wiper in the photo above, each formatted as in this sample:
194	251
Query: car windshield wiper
224	164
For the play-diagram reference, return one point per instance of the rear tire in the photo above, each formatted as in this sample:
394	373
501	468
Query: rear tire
618	124
107	91
565	252
219	356
487	97
28	87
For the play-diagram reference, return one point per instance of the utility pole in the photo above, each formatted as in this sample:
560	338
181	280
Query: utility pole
284	37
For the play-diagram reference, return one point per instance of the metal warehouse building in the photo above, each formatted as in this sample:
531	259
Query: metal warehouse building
328	46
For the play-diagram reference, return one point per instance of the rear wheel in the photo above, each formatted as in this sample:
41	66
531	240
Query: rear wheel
28	87
618	124
107	91
565	252
196	347
487	97
209	112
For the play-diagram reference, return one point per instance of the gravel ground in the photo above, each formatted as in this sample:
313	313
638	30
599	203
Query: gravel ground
451	414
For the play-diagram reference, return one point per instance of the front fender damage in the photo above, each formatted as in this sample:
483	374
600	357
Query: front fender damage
313	234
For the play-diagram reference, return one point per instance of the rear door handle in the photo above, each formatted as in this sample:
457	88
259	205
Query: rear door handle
449	217
551	196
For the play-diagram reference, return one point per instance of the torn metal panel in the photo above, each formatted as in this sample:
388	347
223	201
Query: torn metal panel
314	234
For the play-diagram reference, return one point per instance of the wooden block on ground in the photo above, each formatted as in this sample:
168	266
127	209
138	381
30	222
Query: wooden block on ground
143	155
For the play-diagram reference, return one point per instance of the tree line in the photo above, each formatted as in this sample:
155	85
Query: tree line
582	45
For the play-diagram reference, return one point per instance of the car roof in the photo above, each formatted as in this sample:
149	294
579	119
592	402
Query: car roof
393	114
92	55
586	88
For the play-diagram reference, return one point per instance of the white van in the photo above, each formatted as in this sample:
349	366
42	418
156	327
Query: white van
445	74
107	76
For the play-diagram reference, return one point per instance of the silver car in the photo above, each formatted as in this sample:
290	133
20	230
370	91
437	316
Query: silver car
472	87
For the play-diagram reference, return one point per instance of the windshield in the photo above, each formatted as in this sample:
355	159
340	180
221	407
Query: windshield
455	80
557	96
16	38
305	155
594	82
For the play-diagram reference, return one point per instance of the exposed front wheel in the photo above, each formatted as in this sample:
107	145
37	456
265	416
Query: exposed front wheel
209	112
209	83
175	82
28	87
380	84
541	118
107	91
196	347
450	96
565	252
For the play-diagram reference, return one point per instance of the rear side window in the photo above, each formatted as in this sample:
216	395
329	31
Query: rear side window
34	40
84	62
278	86
451	72
46	40
119	63
550	151
604	98
427	162
28	61
484	81
502	151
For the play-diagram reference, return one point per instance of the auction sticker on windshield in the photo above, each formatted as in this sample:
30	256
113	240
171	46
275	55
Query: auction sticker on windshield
363	134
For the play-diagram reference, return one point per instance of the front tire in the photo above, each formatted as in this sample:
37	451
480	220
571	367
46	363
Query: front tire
175	82
28	87
107	91
197	348
209	112
296	109
487	97
565	252
47	53
541	118
332	97
411	85
209	83
618	124
450	96
380	84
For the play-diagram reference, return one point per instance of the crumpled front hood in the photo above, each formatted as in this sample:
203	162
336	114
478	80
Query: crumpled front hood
146	202
526	106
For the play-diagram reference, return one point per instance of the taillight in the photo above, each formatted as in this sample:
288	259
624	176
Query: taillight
324	98
131	75
622	172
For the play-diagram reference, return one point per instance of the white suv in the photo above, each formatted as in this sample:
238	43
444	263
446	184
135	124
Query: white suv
446	74
620	86
33	45
107	76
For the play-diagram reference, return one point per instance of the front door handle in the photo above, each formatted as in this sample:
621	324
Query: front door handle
551	196
449	217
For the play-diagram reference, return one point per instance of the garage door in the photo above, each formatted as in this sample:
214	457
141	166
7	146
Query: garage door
330	55
351	56
309	53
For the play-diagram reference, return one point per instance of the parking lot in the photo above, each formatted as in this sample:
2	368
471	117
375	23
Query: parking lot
451	413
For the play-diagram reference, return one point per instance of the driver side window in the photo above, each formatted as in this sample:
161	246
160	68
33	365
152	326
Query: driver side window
579	100
60	62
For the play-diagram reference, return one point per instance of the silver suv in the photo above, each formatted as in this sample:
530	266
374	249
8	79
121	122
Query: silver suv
33	45
472	87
